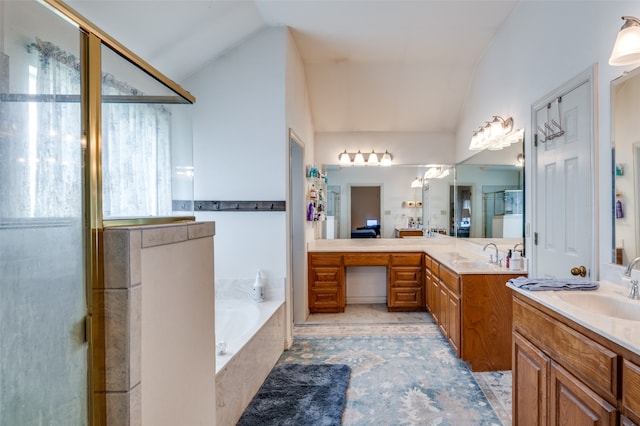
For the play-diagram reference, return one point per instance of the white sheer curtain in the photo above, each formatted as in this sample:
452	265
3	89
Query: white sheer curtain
40	154
136	155
136	144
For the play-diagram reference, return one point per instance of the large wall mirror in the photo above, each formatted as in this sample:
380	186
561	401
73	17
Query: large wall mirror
489	193
625	135
406	200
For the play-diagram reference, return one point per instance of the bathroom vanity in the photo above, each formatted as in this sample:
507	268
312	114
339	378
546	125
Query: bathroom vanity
576	355
451	278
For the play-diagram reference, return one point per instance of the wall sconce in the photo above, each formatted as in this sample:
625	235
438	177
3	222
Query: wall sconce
358	159
436	172
492	135
626	50
418	182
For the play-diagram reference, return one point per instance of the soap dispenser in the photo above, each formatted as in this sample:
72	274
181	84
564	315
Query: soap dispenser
258	288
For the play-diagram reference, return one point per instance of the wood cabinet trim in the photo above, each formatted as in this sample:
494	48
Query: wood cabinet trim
450	279
593	363
569	397
631	390
531	371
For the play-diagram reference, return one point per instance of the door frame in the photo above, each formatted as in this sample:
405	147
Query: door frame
589	76
295	290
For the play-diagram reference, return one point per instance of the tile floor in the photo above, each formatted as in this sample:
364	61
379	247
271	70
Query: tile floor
495	385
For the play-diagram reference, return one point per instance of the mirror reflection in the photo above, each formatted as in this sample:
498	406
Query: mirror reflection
625	132
489	194
387	202
482	197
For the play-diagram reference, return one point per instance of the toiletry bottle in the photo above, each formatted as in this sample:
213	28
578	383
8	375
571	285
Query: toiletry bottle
508	259
619	211
516	261
313	194
258	288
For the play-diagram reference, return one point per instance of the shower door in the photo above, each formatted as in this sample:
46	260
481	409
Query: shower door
43	354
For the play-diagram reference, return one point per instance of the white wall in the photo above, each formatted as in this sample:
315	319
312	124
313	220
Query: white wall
298	116
240	152
541	46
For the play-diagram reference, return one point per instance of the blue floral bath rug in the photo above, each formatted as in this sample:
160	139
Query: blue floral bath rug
300	394
399	375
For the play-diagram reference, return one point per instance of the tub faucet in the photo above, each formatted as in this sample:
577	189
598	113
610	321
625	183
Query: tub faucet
634	293
491	259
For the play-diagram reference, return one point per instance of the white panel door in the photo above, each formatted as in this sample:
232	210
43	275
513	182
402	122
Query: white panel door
564	196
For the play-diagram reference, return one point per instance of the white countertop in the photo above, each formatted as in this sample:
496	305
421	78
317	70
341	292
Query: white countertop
624	332
464	256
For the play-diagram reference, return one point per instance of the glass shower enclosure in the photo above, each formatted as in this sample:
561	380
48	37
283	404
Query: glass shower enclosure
89	135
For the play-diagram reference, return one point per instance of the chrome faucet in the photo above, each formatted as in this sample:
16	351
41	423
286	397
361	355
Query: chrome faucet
515	247
634	293
491	260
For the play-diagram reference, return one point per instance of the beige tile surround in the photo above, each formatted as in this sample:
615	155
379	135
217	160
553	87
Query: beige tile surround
117	326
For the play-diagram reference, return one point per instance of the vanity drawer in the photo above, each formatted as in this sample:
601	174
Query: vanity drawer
405	276
409	259
631	389
591	362
316	259
450	279
366	259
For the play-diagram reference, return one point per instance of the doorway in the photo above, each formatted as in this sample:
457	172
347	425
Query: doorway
564	187
297	261
365	207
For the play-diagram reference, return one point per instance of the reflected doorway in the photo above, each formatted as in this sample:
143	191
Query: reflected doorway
461	208
365	208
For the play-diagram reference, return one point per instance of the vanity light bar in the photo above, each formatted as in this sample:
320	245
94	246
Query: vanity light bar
358	158
492	135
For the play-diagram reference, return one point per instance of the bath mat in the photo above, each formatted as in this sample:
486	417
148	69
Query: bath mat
300	394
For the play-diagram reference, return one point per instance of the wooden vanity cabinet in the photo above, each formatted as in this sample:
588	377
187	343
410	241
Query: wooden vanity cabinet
432	285
450	313
473	311
566	374
326	283
405	288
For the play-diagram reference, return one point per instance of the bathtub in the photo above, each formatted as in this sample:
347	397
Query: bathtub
254	334
237	322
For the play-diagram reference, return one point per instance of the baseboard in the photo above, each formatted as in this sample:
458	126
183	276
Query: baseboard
366	300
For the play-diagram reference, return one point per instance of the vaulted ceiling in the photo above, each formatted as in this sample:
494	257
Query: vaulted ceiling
371	65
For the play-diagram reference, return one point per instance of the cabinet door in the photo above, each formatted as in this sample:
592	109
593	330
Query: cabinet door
530	373
434	293
453	321
326	292
631	389
571	402
428	289
405	289
443	305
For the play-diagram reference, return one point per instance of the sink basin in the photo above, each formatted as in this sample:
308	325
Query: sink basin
608	305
